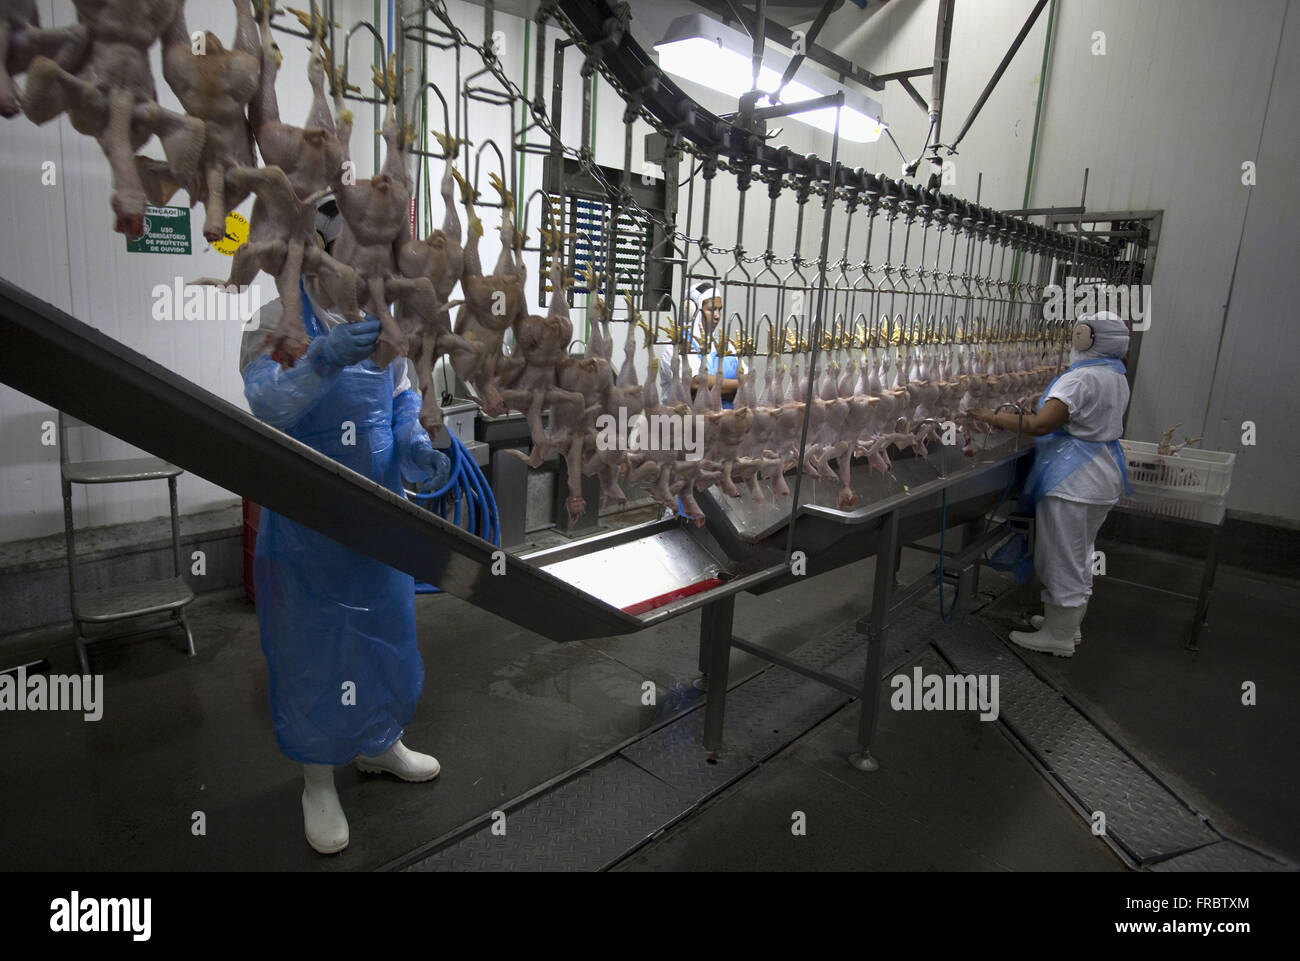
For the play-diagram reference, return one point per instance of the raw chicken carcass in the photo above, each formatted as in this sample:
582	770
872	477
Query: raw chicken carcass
314	155
282	235
22	39
626	403
541	344
493	303
375	226
374	219
441	255
276	244
439	260
112	98
573	425
216	85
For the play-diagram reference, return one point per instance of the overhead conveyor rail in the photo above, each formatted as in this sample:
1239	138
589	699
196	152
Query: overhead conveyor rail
600	28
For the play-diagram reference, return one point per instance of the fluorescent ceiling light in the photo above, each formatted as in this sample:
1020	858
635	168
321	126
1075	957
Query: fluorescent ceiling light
704	51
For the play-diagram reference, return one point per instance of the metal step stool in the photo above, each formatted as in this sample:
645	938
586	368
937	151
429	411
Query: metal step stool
167	596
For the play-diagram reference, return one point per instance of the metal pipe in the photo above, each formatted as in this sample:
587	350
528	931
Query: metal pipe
997	74
1078	236
816	326
878	622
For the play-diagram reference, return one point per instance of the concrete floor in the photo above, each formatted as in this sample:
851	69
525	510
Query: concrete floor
952	794
505	710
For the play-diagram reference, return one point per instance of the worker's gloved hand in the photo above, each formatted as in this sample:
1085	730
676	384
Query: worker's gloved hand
349	344
421	464
436	467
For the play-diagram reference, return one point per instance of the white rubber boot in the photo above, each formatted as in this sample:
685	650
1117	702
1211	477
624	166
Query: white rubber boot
322	815
402	762
1056	634
1036	621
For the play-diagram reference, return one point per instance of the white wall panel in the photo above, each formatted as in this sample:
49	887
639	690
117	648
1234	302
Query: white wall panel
1255	380
1164	121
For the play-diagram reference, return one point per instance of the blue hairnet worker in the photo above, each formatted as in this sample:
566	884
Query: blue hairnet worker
707	304
337	626
1078	475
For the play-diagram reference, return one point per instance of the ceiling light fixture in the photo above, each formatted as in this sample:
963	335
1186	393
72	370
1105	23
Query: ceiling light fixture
705	51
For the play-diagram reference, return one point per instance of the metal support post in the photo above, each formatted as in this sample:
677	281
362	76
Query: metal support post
715	636
877	626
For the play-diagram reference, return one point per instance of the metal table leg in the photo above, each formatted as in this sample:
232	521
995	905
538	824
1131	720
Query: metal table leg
974	531
877	625
896	553
1207	584
715	637
706	650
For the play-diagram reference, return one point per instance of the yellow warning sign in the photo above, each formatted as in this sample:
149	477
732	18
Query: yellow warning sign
236	235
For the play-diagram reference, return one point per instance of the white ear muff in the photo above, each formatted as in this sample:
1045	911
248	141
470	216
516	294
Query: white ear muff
1084	337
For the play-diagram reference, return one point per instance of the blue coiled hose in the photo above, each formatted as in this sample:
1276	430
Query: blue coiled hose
467	488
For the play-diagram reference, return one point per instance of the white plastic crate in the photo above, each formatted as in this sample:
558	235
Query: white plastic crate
1203	508
1190	471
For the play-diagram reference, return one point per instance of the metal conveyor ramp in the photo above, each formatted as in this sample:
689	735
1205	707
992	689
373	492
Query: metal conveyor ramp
69	365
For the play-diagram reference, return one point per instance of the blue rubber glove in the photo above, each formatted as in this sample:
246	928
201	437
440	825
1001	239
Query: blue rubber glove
349	344
436	467
420	463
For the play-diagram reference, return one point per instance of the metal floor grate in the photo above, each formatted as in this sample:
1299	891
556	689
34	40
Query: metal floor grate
584	824
1221	856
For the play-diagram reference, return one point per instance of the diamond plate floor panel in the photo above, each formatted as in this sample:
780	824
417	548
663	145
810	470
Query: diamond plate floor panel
1141	815
1223	856
674	754
584	824
773	709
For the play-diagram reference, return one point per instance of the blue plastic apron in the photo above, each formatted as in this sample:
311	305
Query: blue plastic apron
1060	454
337	626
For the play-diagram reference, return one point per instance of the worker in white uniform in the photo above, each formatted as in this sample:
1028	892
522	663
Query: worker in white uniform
701	351
1078	475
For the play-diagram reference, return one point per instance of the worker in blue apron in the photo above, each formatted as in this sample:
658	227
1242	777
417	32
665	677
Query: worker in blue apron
1078	475
702	352
337	626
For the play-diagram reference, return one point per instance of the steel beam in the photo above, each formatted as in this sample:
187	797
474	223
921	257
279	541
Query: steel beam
1002	67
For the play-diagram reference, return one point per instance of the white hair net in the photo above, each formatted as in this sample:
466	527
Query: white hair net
1110	336
701	294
